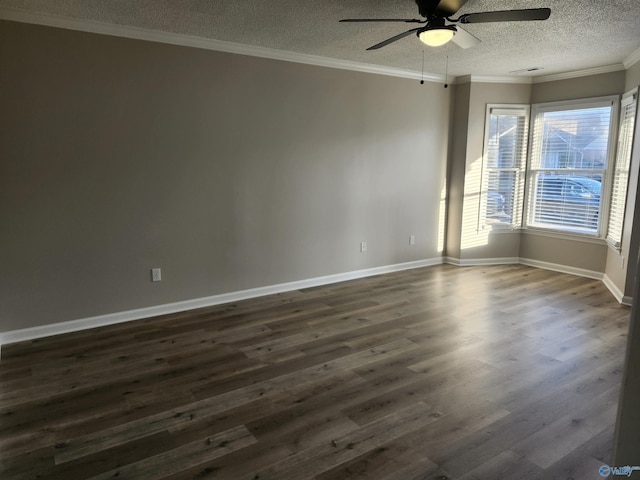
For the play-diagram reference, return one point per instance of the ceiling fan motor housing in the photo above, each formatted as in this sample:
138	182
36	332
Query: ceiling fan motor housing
440	8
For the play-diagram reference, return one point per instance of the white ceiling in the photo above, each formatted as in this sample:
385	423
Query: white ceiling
581	34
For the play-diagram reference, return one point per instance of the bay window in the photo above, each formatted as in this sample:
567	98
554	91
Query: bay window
574	185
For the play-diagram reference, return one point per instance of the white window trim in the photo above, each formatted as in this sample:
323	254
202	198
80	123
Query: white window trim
614	101
562	235
629	97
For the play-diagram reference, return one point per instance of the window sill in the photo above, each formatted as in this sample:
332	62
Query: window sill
500	229
574	237
615	248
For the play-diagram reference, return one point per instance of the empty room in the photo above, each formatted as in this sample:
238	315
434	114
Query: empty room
324	240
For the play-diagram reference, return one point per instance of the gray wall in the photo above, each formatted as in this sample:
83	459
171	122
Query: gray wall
231	172
611	83
228	172
475	244
633	76
457	167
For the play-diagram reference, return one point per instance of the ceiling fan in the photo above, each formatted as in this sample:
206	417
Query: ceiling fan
436	32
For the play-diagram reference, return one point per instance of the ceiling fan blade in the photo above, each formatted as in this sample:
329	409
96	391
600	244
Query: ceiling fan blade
394	38
464	39
506	16
405	20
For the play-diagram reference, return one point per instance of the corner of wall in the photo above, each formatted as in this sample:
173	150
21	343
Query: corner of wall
613	288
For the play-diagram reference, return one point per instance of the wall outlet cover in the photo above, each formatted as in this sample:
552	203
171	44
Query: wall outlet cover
156	275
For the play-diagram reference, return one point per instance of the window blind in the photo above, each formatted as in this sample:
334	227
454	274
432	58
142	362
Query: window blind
505	153
569	156
621	169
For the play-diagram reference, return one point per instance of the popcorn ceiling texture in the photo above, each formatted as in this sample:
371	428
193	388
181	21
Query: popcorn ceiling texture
580	34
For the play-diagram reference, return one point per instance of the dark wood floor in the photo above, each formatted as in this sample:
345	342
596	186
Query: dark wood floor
501	372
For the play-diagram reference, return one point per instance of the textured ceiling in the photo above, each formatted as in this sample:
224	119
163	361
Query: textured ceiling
581	34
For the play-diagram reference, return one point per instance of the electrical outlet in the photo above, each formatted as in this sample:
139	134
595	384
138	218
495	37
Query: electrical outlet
412	240
363	247
156	275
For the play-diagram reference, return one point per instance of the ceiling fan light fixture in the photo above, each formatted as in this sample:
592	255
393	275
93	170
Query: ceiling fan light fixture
437	36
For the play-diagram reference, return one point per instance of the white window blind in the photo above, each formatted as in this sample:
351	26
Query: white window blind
504	159
621	169
568	166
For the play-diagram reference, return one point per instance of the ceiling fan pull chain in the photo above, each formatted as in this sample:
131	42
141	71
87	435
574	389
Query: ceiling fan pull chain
422	80
446	70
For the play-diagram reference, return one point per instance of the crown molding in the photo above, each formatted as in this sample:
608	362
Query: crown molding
632	59
488	79
157	36
579	73
547	78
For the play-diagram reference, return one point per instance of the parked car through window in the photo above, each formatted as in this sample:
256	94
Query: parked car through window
567	200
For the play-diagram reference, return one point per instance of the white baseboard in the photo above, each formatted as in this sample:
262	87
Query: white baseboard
473	262
126	316
451	261
581	272
613	288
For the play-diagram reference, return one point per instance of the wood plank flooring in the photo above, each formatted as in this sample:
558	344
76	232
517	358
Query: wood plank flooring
439	373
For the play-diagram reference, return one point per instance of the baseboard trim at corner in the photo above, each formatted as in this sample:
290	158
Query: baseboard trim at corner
451	261
33	333
616	292
581	272
476	262
613	288
556	267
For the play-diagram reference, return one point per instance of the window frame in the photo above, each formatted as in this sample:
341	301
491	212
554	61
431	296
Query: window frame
615	240
612	101
523	110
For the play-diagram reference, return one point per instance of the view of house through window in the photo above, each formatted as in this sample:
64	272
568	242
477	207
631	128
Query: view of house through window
568	165
568	172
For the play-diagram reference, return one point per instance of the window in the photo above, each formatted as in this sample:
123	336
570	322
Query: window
621	169
568	167
505	153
